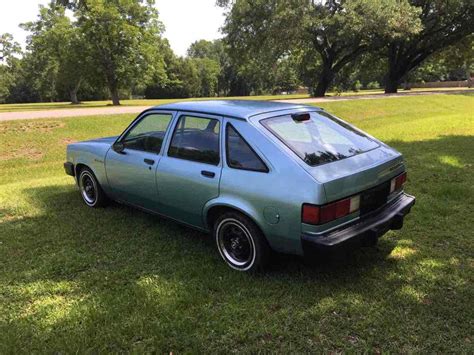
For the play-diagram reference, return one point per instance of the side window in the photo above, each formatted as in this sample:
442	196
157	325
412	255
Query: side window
239	153
196	139
148	134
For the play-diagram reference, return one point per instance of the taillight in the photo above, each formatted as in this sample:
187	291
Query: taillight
397	183
313	214
310	214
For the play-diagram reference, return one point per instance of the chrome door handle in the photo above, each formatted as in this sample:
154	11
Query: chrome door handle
149	161
208	174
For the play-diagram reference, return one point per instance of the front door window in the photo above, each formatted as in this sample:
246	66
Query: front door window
148	134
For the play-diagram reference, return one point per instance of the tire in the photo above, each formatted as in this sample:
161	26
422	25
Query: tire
240	242
91	191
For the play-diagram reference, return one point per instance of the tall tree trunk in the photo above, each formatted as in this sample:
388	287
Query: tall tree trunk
73	93
115	95
391	78
73	96
112	83
325	79
391	85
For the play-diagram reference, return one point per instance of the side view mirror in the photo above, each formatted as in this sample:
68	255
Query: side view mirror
118	147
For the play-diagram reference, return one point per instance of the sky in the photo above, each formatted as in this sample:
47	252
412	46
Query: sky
185	20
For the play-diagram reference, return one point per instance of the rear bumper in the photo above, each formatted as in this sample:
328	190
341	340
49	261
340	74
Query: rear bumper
363	231
69	168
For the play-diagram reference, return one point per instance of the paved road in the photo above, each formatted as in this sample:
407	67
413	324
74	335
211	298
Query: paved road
375	96
60	113
70	112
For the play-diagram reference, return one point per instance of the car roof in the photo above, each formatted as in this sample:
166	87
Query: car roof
233	108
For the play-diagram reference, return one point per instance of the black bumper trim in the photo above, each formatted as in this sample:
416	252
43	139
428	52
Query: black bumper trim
69	168
363	231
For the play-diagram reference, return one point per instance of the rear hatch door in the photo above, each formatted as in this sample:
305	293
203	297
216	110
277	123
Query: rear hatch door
370	172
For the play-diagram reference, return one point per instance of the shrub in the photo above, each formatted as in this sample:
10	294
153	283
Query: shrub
356	86
373	85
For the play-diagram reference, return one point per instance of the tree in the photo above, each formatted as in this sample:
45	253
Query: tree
182	80
208	72
207	56
71	4
216	51
206	49
444	23
56	53
455	62
9	64
8	48
124	38
330	34
285	76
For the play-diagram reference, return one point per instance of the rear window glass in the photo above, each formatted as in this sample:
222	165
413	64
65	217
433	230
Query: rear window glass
321	139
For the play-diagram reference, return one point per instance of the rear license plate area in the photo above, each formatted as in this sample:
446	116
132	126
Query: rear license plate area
374	198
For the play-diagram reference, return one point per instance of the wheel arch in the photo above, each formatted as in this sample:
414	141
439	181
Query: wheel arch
213	211
79	167
96	165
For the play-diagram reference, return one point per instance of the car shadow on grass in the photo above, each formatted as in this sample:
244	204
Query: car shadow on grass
117	279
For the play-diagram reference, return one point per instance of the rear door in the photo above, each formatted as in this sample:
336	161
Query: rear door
189	172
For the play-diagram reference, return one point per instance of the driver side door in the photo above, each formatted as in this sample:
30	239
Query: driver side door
131	169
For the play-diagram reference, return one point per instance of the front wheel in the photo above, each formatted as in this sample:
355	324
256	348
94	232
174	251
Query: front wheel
240	243
91	192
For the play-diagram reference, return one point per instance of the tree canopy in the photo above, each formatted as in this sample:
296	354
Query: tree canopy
326	35
444	23
96	49
123	38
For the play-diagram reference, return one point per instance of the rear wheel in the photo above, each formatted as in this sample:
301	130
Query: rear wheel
91	192
240	243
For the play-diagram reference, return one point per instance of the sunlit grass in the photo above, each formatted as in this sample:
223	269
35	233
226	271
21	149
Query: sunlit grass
154	102
133	102
76	280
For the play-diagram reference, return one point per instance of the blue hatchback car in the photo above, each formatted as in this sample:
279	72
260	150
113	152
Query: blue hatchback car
260	176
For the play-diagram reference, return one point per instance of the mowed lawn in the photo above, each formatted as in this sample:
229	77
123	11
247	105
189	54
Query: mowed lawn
41	106
75	280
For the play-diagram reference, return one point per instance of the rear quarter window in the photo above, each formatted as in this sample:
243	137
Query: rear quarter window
240	155
320	139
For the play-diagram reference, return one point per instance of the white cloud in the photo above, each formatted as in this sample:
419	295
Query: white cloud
12	13
185	20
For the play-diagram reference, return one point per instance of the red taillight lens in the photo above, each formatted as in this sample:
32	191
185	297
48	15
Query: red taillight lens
310	214
398	182
313	214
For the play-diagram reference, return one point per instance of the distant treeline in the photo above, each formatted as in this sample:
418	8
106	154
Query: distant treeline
101	49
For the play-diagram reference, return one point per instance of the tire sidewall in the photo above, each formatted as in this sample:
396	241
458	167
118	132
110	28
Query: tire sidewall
220	223
90	174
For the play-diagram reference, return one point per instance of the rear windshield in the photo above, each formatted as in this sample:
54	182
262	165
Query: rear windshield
321	139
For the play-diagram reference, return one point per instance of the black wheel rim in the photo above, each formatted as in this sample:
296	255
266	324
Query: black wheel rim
235	244
88	189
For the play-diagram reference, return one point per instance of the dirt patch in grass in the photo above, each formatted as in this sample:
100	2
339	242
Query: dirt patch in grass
8	216
43	127
28	153
66	141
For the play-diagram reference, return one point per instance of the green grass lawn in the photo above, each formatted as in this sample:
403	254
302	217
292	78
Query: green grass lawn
152	102
76	280
138	102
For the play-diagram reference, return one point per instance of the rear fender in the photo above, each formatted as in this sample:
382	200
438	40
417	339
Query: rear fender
234	203
276	235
